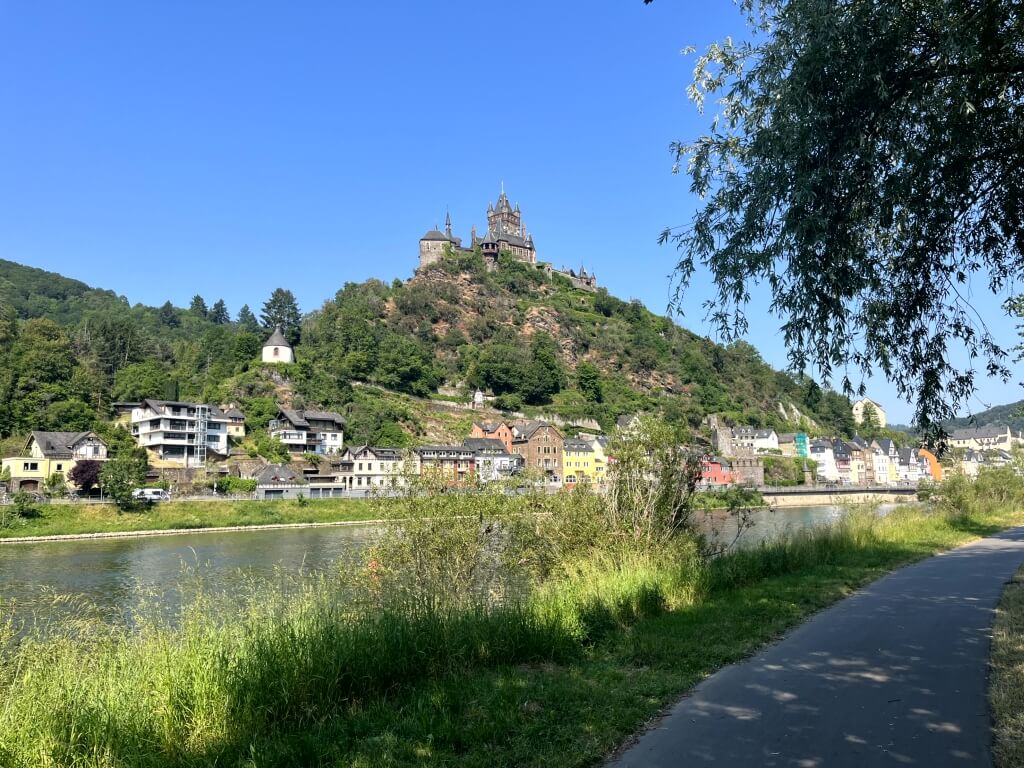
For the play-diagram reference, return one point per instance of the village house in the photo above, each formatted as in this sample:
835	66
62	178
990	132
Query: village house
50	453
985	438
236	422
493	460
841	452
578	462
858	412
449	462
493	430
715	472
308	431
744	441
365	467
280	481
862	461
892	465
179	434
787	443
541	445
823	455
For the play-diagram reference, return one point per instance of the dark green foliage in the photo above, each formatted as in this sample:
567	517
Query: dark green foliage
282	309
867	170
543	377
219	313
168	315
121	475
198	306
247	320
588	381
138	381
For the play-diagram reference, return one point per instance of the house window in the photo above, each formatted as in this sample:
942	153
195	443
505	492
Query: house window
60	467
30	466
277	352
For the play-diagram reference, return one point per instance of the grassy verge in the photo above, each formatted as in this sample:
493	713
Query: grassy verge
558	679
1006	683
59	519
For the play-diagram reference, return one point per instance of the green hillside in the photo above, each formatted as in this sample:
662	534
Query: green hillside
533	341
1011	415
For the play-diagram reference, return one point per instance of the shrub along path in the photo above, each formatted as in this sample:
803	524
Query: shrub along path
894	675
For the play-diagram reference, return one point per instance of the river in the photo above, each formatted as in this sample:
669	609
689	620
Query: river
114	580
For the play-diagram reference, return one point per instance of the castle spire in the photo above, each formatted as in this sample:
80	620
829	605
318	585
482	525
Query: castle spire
447	223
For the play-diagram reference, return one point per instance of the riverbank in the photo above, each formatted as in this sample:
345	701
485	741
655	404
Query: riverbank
84	520
1006	681
561	680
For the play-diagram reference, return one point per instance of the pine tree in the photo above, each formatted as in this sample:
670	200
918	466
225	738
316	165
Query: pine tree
282	309
247	320
168	315
198	306
219	313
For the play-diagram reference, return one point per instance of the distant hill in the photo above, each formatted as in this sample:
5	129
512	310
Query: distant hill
1011	415
33	292
532	340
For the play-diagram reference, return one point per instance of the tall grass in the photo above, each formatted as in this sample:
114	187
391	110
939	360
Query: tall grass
229	683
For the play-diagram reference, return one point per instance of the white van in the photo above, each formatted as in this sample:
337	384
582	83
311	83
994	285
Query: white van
151	494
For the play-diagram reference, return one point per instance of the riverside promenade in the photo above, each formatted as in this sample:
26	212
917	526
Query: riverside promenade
894	675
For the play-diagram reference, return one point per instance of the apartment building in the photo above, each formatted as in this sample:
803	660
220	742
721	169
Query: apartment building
179	434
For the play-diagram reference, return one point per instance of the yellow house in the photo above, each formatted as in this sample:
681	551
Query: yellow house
584	461
48	453
236	422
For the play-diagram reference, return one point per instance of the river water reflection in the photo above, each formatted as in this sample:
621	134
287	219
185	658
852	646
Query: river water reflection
118	578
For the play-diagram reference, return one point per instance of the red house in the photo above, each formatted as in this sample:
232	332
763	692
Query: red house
715	471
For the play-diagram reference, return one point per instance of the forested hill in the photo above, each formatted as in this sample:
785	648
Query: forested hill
541	346
1011	415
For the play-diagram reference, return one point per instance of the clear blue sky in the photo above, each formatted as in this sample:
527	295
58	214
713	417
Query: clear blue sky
163	150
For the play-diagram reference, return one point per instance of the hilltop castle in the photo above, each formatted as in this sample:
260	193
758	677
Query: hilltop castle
506	233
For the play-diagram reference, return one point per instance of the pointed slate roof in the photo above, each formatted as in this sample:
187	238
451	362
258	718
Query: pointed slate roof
276	339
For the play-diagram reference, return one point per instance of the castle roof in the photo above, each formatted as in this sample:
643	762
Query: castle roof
435	234
276	339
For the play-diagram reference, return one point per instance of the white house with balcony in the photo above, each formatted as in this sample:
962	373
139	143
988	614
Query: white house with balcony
306	431
179	434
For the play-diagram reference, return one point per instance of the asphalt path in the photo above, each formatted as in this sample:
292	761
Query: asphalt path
895	675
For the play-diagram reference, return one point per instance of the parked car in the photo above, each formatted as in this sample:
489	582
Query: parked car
151	494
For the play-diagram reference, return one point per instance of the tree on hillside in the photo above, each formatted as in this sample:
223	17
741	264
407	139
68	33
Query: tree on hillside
544	376
219	313
198	306
865	166
247	320
588	381
168	315
282	309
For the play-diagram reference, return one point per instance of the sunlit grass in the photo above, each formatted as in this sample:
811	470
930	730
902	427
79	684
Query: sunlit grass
76	518
1006	682
331	676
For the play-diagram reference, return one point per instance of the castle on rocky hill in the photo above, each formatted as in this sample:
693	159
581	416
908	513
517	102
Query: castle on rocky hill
506	233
